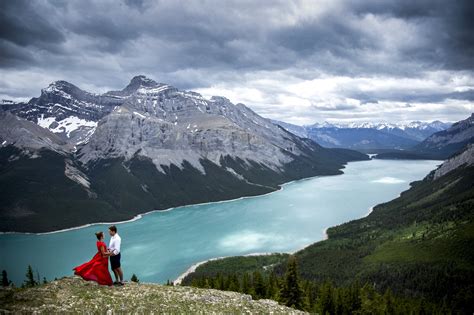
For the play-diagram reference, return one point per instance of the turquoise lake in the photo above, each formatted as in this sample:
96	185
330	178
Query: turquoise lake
162	245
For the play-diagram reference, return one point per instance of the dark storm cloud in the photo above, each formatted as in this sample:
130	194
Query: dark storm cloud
13	56
232	36
25	27
418	96
449	28
27	23
197	45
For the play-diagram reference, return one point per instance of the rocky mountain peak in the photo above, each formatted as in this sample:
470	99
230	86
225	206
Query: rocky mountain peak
62	87
139	83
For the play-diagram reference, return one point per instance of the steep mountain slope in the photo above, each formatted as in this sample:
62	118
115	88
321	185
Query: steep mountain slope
440	145
27	135
418	244
158	148
367	136
447	142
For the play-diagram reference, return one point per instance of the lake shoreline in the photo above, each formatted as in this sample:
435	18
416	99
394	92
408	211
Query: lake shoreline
194	266
140	216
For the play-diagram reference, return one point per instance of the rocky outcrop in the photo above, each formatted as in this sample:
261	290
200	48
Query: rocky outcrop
76	296
463	159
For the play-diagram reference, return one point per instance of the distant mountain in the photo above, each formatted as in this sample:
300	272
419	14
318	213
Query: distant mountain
440	145
447	142
149	146
367	136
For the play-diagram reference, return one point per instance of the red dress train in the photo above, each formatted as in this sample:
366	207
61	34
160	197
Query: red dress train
97	269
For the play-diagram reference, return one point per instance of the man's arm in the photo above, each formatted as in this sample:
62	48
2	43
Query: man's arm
112	247
118	242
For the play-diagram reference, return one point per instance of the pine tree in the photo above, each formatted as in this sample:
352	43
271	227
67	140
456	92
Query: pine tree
291	293
338	301
134	278
220	283
30	278
272	287
371	301
5	281
259	285
246	284
44	280
325	300
388	301
234	284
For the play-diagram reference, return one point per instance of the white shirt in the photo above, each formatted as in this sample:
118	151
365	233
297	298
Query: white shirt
114	244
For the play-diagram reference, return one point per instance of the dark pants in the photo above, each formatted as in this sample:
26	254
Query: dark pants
115	261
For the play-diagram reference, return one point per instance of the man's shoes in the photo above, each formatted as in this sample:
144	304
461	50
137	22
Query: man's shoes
116	283
120	283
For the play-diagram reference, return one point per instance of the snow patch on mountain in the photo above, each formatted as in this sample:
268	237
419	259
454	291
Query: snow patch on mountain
67	125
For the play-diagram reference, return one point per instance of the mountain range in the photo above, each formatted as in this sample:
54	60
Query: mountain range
440	145
367	136
70	157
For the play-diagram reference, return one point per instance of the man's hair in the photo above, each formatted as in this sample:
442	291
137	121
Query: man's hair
99	235
113	228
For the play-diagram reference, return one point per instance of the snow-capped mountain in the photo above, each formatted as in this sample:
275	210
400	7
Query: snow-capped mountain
66	110
440	145
148	146
367	135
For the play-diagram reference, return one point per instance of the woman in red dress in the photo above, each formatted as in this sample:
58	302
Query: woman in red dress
97	269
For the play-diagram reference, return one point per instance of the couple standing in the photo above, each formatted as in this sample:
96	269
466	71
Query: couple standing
97	269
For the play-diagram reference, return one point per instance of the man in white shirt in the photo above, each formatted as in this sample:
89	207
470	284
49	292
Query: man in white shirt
114	249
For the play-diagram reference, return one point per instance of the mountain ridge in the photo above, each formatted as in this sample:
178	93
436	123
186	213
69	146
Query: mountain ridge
367	136
440	145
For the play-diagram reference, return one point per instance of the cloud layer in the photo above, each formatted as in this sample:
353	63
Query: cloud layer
298	61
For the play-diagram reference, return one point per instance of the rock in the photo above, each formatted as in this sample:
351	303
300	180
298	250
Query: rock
464	158
74	295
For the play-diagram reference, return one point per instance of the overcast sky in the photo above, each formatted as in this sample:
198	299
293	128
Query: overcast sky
296	61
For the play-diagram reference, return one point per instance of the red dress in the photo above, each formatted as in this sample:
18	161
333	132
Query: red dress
97	269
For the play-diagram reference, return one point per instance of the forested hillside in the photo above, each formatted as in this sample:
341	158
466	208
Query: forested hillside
418	247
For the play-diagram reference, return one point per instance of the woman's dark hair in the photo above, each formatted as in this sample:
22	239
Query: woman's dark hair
99	235
113	228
